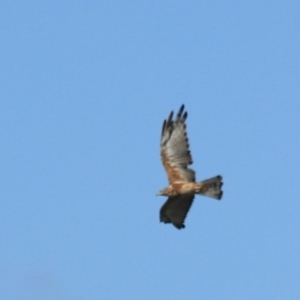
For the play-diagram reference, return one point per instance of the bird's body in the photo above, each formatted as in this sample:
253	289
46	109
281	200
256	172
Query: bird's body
182	187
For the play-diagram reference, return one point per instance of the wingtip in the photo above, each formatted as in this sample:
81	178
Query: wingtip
170	118
181	109
179	226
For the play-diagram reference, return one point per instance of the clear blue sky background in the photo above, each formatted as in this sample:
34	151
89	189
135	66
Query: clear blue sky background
84	89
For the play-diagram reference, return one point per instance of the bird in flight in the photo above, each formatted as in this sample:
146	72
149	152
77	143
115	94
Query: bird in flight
176	157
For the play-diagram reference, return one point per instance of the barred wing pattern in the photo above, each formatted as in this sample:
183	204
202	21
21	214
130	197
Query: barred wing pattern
176	157
175	152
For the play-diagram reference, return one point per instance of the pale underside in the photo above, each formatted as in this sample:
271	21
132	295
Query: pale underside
176	158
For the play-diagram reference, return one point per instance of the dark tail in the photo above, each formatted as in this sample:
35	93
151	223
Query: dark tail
212	188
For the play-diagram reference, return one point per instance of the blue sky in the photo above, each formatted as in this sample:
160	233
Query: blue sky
84	89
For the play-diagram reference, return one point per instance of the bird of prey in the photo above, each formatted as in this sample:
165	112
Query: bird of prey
176	157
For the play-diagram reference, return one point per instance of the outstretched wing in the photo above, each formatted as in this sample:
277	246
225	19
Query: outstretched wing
175	210
174	149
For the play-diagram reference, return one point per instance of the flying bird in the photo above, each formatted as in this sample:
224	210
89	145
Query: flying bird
176	157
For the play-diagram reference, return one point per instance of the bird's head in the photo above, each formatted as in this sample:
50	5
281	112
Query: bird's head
163	192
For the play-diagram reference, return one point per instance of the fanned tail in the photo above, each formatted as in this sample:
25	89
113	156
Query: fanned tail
212	188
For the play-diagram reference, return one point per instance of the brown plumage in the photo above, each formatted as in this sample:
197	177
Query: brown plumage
176	157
